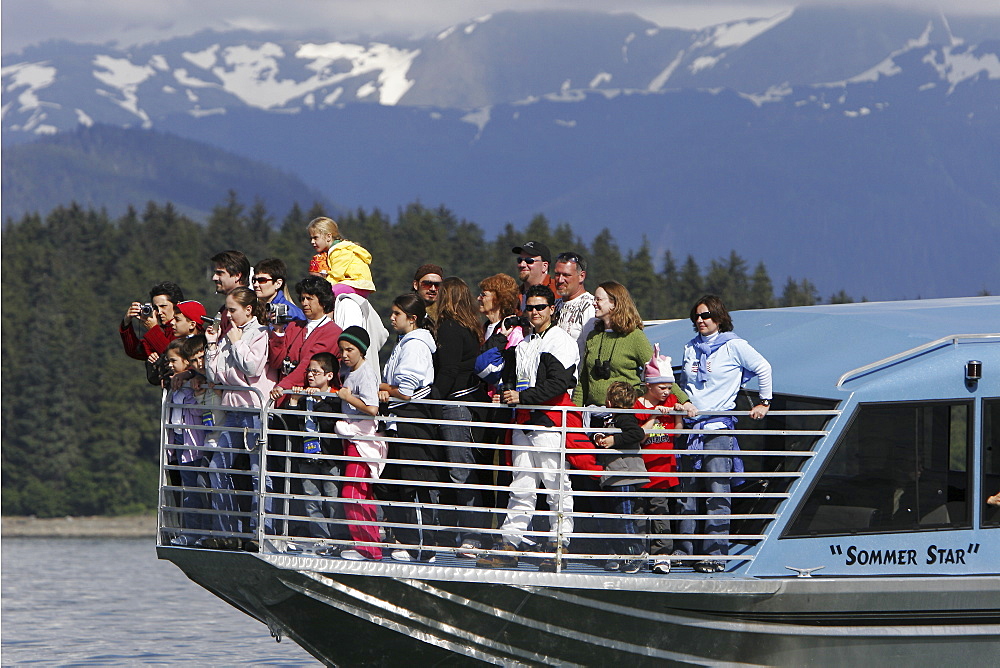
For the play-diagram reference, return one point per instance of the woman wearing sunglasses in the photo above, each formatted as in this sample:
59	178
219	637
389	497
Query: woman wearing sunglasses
717	363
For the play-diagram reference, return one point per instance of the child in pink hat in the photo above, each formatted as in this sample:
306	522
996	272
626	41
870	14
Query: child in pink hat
663	413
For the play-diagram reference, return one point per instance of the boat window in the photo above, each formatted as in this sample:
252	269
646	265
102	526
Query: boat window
897	467
991	460
774	442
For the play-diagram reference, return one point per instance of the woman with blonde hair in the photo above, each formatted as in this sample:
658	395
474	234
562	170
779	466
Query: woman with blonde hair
341	262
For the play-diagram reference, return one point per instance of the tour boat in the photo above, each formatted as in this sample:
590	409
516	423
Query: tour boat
862	533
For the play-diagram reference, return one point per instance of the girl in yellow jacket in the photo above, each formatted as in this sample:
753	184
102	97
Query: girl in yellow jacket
343	263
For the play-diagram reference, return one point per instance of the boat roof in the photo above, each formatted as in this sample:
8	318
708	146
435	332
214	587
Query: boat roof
811	347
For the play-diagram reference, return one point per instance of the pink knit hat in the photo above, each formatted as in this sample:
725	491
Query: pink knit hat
658	370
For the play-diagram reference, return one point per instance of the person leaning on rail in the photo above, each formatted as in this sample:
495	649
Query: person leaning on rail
717	363
459	336
544	371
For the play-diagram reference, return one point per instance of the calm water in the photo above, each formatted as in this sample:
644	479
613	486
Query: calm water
111	602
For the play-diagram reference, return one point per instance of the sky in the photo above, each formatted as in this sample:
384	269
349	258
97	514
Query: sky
26	22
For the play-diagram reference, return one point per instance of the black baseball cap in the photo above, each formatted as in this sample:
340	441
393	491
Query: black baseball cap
533	249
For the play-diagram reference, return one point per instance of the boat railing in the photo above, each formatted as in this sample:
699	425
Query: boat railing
953	339
450	509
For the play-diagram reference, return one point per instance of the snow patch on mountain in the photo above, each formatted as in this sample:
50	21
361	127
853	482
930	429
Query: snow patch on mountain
739	33
888	67
391	63
772	94
185	79
121	73
704	63
124	76
33	77
958	67
83	119
480	118
203	59
601	78
660	80
476	23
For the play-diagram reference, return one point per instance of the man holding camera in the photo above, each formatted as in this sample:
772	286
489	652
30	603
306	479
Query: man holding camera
156	316
269	284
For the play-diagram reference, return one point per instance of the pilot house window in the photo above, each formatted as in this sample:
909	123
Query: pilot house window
898	467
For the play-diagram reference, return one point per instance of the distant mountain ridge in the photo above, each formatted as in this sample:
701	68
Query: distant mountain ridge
114	168
506	58
858	147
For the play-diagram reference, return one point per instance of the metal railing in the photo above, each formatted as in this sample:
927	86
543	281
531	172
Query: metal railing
282	500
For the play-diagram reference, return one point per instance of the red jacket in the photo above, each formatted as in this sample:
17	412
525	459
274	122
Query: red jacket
155	340
658	462
299	349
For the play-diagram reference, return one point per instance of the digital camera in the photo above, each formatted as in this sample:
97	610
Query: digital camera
146	310
278	314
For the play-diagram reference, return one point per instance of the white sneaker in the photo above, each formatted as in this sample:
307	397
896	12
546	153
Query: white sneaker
467	549
353	555
661	566
401	555
293	548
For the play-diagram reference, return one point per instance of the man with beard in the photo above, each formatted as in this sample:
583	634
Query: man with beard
533	260
576	311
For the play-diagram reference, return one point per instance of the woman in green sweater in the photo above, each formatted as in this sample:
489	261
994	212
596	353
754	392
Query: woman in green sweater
617	349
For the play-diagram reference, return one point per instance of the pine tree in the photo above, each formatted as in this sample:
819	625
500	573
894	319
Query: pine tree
841	297
692	287
605	259
641	280
761	290
799	294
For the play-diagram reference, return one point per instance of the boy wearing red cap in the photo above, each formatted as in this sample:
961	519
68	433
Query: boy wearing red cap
188	319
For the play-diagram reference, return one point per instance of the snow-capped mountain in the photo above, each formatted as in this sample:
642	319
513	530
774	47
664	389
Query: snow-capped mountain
860	148
506	58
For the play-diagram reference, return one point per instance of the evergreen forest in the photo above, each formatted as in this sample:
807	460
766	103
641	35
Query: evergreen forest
80	420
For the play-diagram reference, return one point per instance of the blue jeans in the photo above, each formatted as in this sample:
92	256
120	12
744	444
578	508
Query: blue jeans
194	479
322	505
462	454
717	505
620	501
227	503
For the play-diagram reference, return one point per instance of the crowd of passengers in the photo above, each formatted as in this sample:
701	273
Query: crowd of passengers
542	341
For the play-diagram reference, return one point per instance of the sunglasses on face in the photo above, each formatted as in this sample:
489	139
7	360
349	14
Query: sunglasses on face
427	285
527	260
536	307
262	279
704	315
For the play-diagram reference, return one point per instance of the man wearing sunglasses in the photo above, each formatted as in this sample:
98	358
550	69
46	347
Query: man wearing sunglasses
269	283
533	260
426	283
542	372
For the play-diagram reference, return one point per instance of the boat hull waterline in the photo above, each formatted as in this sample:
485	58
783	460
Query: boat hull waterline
449	615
